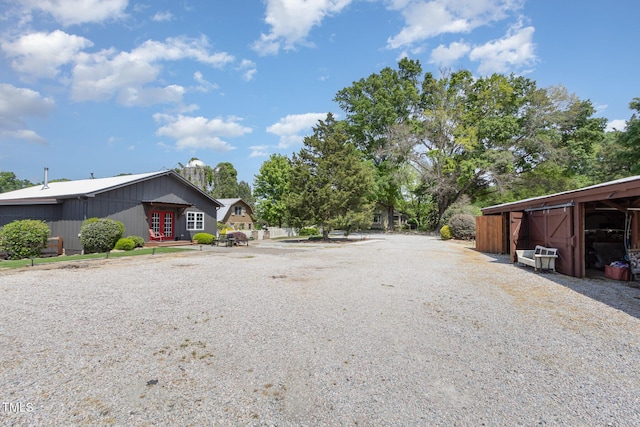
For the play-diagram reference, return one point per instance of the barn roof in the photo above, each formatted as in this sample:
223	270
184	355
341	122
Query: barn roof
54	191
619	188
222	212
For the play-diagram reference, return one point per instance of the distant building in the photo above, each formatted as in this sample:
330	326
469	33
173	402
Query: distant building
163	201
236	214
381	219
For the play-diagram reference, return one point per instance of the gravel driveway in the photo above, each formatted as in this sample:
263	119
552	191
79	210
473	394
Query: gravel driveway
390	331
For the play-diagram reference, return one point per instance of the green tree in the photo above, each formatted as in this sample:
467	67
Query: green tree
244	192
330	184
225	181
9	182
611	159
629	141
271	185
373	106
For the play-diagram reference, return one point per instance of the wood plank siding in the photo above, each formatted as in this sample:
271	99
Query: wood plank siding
489	234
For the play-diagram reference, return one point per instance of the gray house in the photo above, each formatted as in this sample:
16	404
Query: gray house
156	205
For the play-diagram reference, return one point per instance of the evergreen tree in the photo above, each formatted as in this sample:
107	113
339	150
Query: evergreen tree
330	184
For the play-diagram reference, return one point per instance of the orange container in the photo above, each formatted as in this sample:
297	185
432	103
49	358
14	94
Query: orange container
616	273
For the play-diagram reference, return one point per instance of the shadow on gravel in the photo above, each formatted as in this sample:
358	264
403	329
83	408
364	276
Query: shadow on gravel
614	293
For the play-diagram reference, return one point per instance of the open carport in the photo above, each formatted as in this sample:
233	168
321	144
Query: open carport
591	226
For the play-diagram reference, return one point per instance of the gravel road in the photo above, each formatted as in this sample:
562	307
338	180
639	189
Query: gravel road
393	330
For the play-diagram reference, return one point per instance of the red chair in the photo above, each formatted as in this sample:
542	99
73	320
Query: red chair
155	235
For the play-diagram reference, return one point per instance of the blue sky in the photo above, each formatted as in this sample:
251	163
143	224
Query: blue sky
118	86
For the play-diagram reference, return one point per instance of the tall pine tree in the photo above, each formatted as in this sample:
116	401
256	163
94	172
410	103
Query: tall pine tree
330	184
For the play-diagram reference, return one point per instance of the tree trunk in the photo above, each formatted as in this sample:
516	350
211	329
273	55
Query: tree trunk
325	233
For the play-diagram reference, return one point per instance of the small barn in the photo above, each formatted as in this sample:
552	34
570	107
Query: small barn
163	202
590	226
236	214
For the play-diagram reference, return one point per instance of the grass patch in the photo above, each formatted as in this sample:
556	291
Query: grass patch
66	258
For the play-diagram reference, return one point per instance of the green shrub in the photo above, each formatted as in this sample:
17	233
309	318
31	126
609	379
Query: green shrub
309	231
463	226
139	241
462	206
90	220
445	232
226	230
125	244
101	235
24	238
121	226
204	238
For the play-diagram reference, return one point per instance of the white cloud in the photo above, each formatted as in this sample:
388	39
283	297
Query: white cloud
42	54
445	56
99	76
162	17
17	104
515	50
70	12
204	85
426	19
259	151
289	128
200	132
249	75
249	68
292	20
26	135
618	124
151	95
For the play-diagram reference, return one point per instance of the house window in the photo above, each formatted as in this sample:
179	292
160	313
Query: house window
237	210
195	220
377	218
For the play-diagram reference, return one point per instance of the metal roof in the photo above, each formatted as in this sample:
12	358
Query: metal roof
222	212
565	194
84	187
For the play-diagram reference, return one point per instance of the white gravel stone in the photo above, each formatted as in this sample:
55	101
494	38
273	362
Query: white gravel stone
394	330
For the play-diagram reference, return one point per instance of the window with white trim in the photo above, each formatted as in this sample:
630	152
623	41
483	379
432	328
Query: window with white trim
195	221
237	210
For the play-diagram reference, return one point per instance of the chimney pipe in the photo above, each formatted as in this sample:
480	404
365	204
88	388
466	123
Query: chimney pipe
46	179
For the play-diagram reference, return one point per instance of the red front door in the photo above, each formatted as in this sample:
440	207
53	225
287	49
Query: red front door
162	222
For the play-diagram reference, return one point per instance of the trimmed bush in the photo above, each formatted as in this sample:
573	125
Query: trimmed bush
139	241
204	238
125	244
24	238
226	230
463	226
101	235
309	231
445	232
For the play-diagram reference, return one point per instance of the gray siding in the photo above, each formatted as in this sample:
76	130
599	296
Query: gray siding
48	213
123	204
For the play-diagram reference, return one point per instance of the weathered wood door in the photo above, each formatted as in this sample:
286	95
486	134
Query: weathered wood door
560	235
518	233
553	228
489	234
